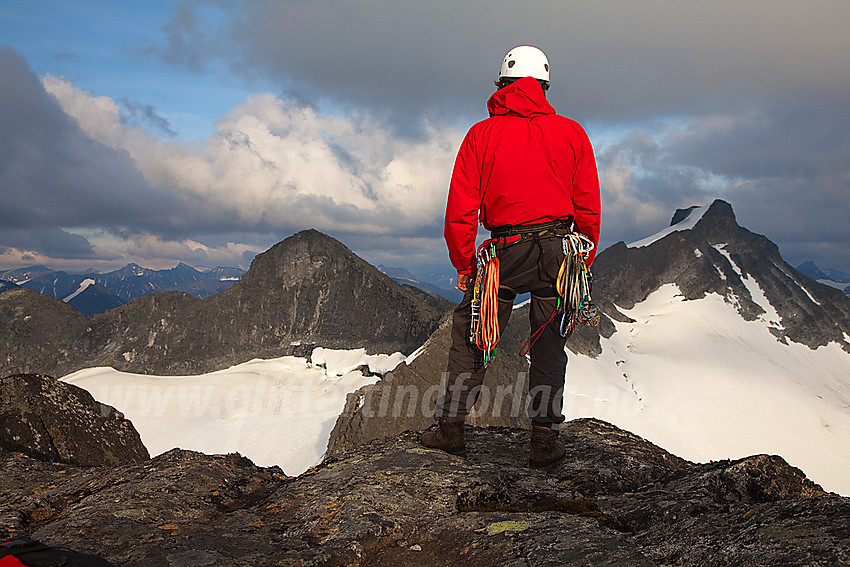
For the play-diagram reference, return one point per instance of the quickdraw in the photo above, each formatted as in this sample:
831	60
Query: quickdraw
573	285
484	327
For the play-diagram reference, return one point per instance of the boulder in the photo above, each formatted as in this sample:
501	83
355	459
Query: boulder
53	421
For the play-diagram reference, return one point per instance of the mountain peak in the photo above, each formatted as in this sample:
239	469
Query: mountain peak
718	220
331	293
308	290
715	220
705	252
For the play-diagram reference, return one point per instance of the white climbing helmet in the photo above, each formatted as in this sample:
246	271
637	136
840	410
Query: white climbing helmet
525	61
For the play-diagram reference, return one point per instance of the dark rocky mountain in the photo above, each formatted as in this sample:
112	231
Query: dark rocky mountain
92	298
59	422
829	276
616	499
719	256
307	290
404	399
38	331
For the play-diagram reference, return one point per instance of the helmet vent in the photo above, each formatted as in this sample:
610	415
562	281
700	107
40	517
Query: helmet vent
511	64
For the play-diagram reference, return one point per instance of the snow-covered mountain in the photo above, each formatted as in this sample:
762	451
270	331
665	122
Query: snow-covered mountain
719	349
707	252
711	346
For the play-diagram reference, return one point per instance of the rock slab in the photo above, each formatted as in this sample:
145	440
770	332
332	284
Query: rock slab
54	421
616	499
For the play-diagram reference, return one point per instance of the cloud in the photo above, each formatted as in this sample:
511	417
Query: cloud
52	174
684	102
275	165
610	60
74	165
141	115
156	252
783	169
693	100
50	241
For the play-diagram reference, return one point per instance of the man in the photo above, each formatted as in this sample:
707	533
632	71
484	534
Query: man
529	176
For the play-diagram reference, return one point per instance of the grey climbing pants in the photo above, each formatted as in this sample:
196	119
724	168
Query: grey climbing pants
530	265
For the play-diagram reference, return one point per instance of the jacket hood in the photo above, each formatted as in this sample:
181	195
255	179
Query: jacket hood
524	97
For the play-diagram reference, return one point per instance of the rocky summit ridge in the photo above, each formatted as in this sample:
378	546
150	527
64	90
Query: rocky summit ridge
616	499
308	290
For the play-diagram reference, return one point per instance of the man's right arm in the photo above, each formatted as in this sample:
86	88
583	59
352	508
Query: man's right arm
462	207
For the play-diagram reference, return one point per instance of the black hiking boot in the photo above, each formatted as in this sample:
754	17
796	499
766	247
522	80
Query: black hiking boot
448	437
546	449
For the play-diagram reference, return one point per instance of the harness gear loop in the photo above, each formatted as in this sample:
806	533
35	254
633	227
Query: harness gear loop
573	287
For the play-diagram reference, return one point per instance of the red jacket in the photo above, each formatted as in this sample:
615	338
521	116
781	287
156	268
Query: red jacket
523	165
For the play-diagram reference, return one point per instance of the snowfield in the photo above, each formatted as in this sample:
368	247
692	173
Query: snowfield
690	376
275	412
698	380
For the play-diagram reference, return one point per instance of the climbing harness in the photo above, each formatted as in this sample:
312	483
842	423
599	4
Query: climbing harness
484	328
572	284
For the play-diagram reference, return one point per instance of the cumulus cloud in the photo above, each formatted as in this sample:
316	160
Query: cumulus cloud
684	103
276	165
693	101
75	167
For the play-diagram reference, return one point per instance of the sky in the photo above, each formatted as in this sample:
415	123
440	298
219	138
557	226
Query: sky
206	131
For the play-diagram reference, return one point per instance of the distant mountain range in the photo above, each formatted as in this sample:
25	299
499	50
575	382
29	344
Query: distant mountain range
92	293
827	276
404	277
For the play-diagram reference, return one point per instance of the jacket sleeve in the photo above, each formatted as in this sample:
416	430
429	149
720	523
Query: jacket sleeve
586	198
462	207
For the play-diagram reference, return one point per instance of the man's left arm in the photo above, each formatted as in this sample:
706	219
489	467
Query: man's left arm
461	224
